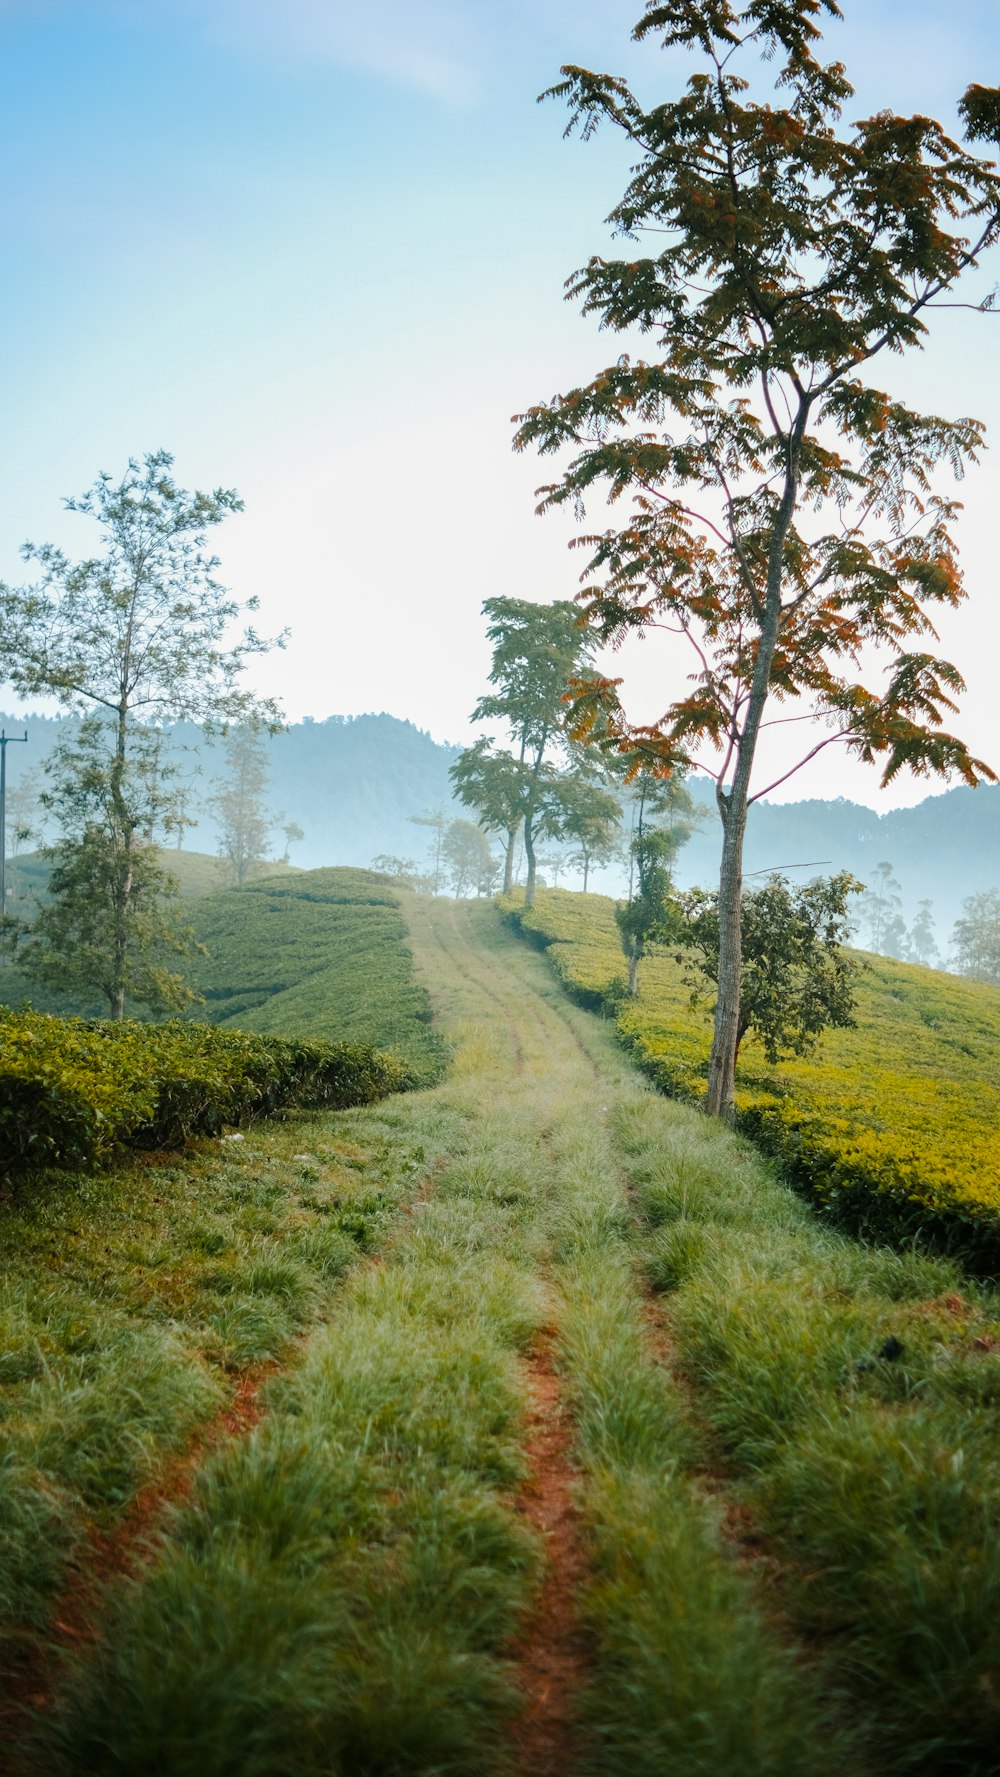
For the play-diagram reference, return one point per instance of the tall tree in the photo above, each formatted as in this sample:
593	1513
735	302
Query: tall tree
786	521
129	637
537	649
437	820
879	913
238	804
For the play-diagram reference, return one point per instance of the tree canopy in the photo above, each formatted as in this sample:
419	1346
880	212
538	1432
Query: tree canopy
537	650
797	980
787	521
130	637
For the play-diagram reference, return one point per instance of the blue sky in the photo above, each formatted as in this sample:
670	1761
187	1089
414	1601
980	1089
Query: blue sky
318	253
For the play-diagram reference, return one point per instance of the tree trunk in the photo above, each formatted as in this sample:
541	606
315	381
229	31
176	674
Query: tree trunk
586	871
722	1067
508	861
529	852
635	958
721	1098
122	882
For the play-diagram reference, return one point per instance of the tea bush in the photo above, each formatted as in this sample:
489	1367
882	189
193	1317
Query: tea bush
73	1090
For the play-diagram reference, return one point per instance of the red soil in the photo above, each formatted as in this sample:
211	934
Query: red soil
551	1653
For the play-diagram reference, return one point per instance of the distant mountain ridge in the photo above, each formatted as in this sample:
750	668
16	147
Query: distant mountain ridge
943	849
352	783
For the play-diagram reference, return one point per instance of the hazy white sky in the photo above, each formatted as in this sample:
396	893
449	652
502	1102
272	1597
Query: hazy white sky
318	253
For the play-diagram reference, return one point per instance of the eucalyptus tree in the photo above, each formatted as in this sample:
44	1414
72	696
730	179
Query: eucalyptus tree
786	517
130	637
238	803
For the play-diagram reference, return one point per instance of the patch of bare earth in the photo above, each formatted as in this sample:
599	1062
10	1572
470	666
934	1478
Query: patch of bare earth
551	1651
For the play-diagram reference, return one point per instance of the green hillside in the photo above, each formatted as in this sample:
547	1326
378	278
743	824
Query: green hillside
197	874
894	1123
315	953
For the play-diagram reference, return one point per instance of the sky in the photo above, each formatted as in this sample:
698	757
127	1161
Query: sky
318	253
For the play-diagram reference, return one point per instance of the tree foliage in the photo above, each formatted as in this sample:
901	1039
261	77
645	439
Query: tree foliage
786	515
537	649
238	804
129	637
796	979
650	914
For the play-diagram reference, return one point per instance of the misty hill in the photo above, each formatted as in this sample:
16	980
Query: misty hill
352	783
942	850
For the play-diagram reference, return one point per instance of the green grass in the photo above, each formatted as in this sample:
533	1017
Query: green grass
852	1391
127	1299
784	1442
322	953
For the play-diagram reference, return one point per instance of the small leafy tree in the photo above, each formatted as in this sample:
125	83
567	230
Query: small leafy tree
786	518
589	821
129	637
293	835
403	869
796	979
649	916
976	938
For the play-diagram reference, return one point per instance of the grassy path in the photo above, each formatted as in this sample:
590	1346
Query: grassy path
533	1498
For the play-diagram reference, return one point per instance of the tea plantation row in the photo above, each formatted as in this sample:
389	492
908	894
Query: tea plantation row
893	1125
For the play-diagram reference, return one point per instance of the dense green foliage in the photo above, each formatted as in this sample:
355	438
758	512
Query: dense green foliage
72	1092
321	953
893	1124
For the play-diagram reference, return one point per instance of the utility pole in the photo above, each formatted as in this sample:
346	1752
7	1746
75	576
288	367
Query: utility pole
5	741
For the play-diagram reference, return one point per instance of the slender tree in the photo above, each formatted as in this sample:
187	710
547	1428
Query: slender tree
129	637
922	941
437	820
786	520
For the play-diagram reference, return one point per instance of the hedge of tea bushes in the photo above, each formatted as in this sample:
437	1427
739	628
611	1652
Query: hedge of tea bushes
894	1126
73	1091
